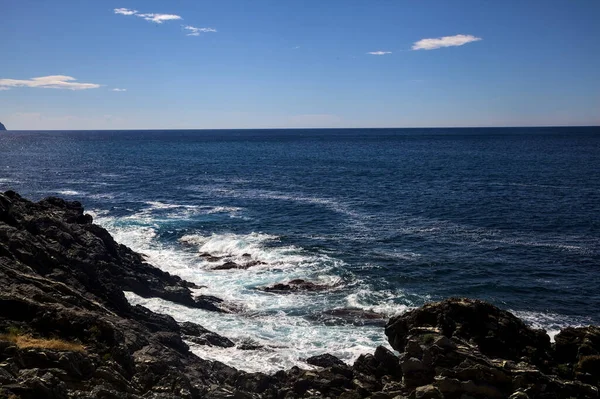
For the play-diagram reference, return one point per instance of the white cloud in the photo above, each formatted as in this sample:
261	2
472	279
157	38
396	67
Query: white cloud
159	18
446	41
379	52
117	89
193	31
125	11
48	82
4	88
151	17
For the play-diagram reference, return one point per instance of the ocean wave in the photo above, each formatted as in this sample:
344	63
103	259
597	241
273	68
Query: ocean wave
382	302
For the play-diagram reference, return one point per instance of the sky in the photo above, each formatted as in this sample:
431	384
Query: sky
208	64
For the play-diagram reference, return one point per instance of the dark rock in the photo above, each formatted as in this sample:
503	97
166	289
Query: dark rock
497	333
295	286
249	345
201	336
573	342
2	127
325	360
228	266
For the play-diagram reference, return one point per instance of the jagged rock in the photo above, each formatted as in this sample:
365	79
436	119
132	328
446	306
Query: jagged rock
2	127
496	332
325	360
201	336
296	286
228	266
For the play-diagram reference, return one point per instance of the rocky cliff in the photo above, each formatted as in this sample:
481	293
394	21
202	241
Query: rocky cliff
67	331
2	127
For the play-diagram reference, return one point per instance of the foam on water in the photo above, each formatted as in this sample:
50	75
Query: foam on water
69	193
281	323
382	302
287	340
157	211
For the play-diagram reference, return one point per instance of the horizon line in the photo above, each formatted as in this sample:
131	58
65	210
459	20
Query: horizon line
305	128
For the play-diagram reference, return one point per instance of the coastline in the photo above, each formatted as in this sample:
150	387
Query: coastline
65	278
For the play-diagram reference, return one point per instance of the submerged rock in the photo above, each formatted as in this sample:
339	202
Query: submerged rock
358	317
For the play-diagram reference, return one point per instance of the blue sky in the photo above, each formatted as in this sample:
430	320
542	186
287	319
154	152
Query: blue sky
280	63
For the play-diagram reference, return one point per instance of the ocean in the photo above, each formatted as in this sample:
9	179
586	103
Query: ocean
390	218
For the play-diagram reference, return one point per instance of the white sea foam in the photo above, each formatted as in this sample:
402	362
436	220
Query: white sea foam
287	340
271	320
101	196
70	192
178	211
382	302
333	204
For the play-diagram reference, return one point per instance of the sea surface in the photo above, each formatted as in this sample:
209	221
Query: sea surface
392	218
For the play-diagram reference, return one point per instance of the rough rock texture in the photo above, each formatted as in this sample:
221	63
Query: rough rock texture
468	347
63	277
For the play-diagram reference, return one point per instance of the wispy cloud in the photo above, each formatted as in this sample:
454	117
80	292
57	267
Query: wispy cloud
117	89
194	31
151	17
125	11
446	41
48	82
379	52
159	18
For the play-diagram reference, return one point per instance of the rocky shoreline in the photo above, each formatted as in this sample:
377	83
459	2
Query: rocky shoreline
67	331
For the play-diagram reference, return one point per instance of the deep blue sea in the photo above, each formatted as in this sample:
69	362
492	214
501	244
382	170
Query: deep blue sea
393	217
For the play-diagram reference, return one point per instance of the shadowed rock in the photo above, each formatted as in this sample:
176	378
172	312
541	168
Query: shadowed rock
201	336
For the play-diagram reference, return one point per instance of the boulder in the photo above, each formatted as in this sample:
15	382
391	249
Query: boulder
497	333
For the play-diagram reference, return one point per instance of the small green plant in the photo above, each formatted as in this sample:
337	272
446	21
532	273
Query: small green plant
428	338
95	332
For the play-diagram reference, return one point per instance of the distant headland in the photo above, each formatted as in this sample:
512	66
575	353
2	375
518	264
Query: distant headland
2	127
